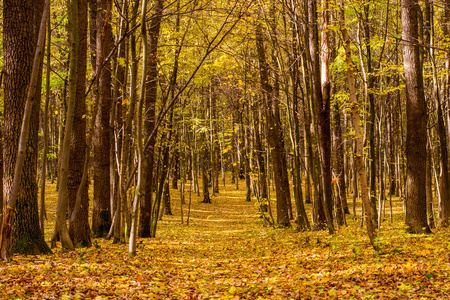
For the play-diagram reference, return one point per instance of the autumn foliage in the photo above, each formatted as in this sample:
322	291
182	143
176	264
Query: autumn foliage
226	253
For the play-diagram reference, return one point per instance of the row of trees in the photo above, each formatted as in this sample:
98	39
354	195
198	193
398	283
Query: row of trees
310	93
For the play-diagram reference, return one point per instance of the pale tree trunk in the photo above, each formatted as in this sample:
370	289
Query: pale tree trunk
43	213
118	120
122	209
359	138
61	230
139	137
429	189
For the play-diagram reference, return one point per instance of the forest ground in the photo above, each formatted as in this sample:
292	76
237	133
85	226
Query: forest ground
227	253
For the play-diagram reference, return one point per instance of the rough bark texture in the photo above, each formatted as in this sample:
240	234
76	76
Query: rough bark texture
416	122
79	231
151	91
321	107
20	30
101	218
274	136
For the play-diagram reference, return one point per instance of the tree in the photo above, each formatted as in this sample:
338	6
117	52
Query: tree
23	52
416	121
79	230
150	118
274	134
101	216
362	176
321	107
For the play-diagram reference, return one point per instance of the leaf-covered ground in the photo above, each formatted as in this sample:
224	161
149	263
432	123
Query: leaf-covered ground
227	253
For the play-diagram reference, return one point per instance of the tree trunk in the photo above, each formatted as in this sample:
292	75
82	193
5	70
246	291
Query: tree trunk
321	106
20	232
79	231
101	215
416	121
150	118
362	177
274	135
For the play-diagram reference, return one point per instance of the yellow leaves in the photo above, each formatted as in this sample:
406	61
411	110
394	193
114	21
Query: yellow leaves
232	290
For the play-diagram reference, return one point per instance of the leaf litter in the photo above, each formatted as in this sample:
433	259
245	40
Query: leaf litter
227	253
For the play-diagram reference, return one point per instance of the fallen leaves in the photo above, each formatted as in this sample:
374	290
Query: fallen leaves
240	260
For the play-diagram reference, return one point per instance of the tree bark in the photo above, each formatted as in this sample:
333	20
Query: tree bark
101	215
23	54
321	106
79	230
274	135
416	121
150	118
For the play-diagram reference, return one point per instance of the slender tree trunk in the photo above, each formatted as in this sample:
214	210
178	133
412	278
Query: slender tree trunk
150	118
321	106
362	177
61	230
139	137
43	213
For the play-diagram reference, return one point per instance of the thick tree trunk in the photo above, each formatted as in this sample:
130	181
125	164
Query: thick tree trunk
101	216
274	136
416	121
20	231
79	231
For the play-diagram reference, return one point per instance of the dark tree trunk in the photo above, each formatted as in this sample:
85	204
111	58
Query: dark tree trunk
322	110
101	216
79	231
416	122
259	154
371	124
338	167
274	136
151	91
21	21
204	161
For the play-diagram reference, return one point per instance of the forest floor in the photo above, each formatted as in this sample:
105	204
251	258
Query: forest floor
226	253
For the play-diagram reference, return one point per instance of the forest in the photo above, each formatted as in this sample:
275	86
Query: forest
248	149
